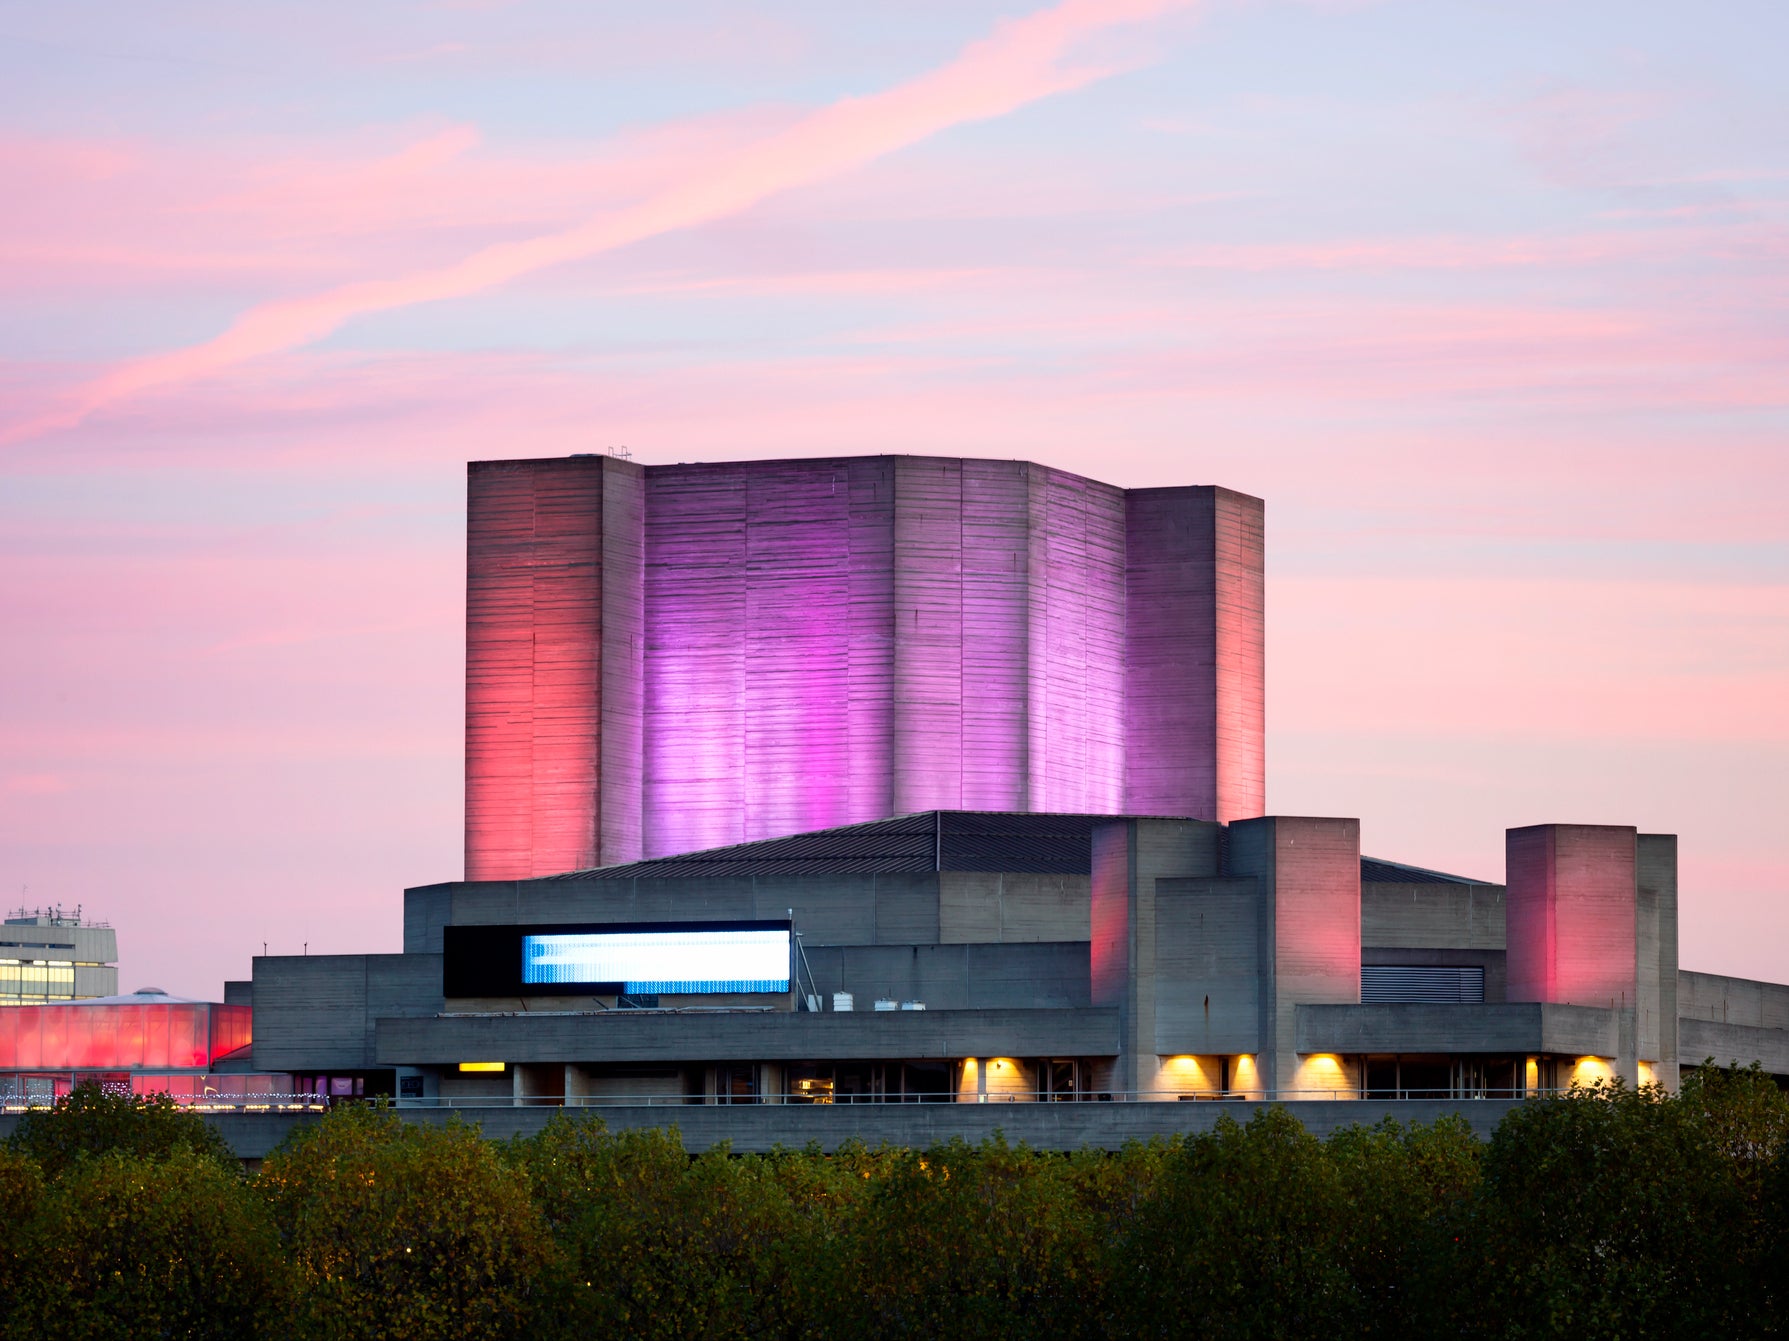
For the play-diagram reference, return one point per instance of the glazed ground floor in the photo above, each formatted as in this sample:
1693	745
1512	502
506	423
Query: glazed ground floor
991	1079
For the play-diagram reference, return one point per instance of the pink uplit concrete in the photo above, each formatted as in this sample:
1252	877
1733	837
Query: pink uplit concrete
1196	669
1571	909
549	580
1310	873
824	642
1110	944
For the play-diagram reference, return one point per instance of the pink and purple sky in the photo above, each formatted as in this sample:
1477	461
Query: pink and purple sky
1489	301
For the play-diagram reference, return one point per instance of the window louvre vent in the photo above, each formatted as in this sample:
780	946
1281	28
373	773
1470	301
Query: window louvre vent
1381	983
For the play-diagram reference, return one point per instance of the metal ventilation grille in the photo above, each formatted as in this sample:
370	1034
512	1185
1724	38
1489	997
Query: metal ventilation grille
1398	982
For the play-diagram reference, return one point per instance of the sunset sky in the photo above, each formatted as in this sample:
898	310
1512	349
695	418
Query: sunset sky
1490	302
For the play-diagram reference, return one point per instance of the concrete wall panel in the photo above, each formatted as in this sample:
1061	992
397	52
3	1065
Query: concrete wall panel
1527	1027
1207	988
1721	1000
1012	907
906	909
1571	914
1734	1045
1435	916
316	1012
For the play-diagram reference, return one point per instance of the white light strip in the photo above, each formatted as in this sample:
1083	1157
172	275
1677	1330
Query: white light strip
670	962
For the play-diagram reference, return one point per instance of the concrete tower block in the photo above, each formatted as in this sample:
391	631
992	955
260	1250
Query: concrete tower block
1309	880
1129	857
1195	660
552	658
668	658
1571	910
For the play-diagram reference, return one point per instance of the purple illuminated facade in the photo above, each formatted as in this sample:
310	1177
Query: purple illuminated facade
667	658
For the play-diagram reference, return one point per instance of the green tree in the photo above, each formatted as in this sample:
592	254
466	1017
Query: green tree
655	1243
1244	1237
21	1192
1613	1212
404	1231
92	1121
1408	1193
961	1240
123	1246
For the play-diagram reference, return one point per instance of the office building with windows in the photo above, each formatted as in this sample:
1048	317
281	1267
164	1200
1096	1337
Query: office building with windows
48	955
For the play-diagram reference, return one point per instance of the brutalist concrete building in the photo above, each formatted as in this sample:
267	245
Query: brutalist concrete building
910	779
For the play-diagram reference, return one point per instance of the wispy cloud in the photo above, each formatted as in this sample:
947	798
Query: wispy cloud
1022	61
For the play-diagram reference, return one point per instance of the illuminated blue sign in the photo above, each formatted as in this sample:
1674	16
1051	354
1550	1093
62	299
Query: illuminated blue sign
661	961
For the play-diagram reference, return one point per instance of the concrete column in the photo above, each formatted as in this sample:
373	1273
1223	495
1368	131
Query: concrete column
1129	857
1309	880
1592	921
1656	880
1571	913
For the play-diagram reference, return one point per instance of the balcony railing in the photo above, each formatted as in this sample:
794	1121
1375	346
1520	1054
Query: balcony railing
198	1103
793	1100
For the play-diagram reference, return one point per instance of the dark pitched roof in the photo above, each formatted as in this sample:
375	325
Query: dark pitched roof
932	840
950	840
1376	871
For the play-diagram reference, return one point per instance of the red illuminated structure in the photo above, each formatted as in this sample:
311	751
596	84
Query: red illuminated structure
148	1040
122	1035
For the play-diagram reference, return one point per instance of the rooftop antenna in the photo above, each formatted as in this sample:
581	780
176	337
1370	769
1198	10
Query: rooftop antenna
621	454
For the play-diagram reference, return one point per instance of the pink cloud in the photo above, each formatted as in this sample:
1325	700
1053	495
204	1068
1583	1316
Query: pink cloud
137	216
1021	62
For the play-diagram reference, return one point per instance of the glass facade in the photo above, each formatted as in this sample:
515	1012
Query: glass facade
37	980
177	1035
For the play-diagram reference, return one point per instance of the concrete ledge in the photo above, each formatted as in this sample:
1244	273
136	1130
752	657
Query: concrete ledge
755	1129
250	1135
1071	1126
1733	1045
1523	1027
648	1036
